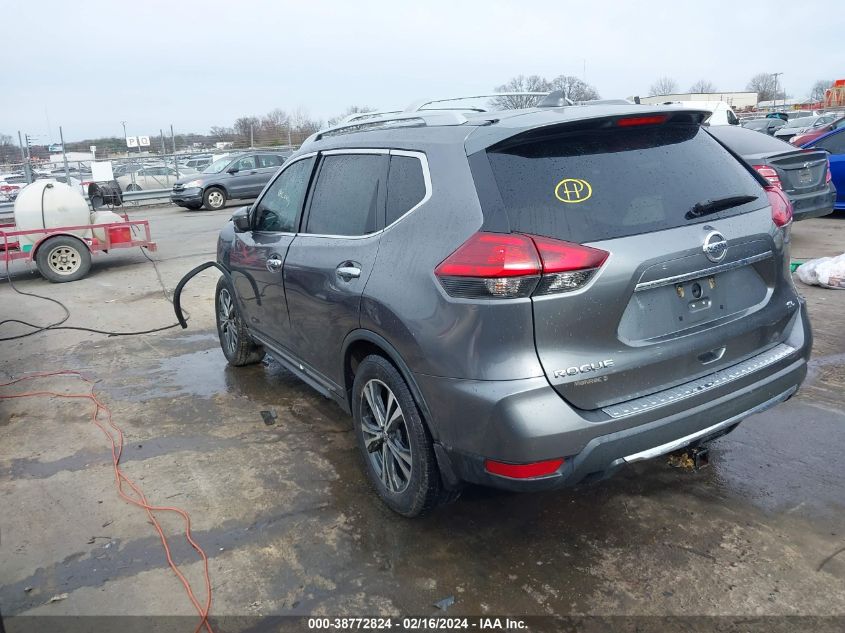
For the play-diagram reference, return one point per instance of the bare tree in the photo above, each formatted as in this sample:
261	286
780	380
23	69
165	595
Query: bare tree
574	88
350	110
245	125
765	86
521	83
9	152
817	92
702	86
664	86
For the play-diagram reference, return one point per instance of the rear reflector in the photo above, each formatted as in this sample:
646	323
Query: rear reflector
523	471
513	265
632	121
781	206
770	174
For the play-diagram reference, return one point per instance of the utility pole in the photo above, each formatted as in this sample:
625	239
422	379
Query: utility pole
251	138
26	167
776	75
64	156
28	140
173	138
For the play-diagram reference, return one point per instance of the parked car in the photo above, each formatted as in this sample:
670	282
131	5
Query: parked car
240	176
834	144
153	177
803	175
10	186
720	112
523	299
199	163
804	124
768	126
802	139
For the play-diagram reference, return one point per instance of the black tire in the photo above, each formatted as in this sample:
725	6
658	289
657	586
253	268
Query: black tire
193	207
63	258
238	346
133	187
409	491
214	198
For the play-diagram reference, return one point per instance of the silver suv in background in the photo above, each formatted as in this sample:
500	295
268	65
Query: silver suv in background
240	176
523	299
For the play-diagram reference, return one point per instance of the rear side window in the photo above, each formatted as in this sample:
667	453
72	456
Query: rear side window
591	185
834	144
269	160
405	186
348	197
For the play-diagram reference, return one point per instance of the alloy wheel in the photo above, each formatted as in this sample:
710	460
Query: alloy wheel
215	199
386	436
227	318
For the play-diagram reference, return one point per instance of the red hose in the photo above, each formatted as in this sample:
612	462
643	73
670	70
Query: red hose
115	436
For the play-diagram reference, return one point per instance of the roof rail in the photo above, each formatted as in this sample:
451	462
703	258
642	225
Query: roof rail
419	105
377	121
416	114
366	115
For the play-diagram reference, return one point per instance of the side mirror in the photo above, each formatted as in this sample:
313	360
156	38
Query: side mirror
241	219
232	170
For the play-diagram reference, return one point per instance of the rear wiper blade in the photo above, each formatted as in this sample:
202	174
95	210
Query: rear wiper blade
712	206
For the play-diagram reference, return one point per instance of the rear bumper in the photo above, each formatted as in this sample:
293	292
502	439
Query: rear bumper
525	421
813	205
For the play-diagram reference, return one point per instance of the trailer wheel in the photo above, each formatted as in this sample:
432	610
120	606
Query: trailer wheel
63	258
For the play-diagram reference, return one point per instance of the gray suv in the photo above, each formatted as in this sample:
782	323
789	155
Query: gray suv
241	176
522	299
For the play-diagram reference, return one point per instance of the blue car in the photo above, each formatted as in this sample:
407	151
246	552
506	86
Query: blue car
834	143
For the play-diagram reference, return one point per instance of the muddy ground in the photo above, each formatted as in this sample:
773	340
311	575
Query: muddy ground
285	513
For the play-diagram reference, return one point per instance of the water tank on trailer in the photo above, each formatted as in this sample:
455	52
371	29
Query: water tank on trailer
49	204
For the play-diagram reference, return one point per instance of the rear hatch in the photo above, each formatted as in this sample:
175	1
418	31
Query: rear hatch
801	171
660	310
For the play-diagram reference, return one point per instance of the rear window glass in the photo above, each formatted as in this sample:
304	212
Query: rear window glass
593	185
745	142
405	186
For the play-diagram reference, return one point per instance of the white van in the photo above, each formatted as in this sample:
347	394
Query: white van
722	112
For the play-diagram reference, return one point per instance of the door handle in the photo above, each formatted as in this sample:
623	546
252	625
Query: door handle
348	271
274	264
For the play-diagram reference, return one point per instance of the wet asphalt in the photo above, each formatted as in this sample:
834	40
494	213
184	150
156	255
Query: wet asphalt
291	527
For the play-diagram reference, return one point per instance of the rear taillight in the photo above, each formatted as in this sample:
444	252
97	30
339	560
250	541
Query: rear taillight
781	206
770	174
513	265
828	177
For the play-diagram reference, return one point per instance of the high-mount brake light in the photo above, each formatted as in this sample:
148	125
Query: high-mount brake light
514	265
781	206
632	121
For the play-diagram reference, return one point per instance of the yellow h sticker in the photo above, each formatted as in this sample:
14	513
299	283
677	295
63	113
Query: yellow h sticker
572	190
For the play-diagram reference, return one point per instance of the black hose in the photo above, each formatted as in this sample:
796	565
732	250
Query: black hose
177	293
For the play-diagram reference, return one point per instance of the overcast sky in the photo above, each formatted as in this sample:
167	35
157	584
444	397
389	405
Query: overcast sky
89	65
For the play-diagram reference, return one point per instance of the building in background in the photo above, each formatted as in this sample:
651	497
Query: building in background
738	101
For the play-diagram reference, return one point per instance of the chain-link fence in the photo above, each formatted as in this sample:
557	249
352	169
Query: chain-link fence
142	171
